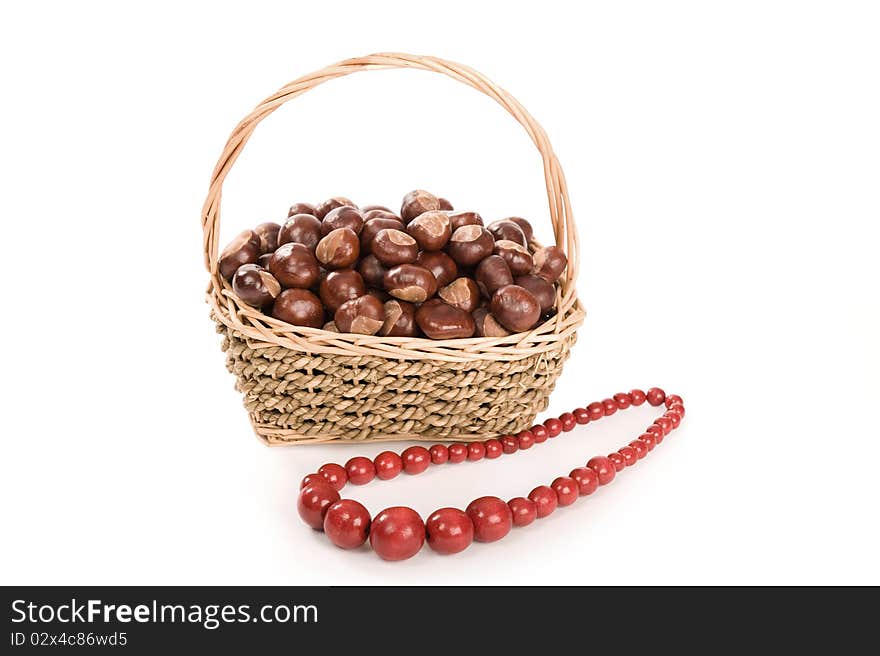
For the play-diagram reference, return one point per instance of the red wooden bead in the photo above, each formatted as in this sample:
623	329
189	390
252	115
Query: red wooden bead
525	440
586	479
476	451
568	421
623	400
312	478
596	410
493	449
509	444
655	396
553	426
458	452
581	416
656	431
672	399
617	460
313	501
524	511
388	465
347	524
650	440
449	530
397	533
439	454
491	517
415	459
640	447
545	500
335	475
609	407
675	418
360	470
540	433
665	423
637	396
566	490
603	468
629	455
677	408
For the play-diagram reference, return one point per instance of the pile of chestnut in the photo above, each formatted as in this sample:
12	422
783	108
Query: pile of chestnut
428	271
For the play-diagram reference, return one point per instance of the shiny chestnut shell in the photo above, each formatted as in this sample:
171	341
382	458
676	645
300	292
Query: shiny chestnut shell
340	286
470	244
400	319
299	307
255	286
244	249
441	321
293	265
515	308
410	282
302	229
443	267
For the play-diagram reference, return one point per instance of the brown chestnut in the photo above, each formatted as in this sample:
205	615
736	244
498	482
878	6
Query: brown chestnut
440	264
342	217
339	249
339	287
461	293
517	257
470	244
505	229
299	307
542	290
458	219
441	321
380	214
550	262
445	204
392	247
372	271
301	208
515	308
524	225
293	265
372	228
254	285
364	316
432	230
417	202
244	249
486	325
268	234
400	319
331	204
410	282
302	229
491	274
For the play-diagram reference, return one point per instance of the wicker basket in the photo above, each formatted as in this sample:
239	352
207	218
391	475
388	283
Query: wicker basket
304	385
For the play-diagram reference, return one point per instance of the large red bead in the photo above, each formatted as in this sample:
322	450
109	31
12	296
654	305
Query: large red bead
656	431
493	449
604	469
347	524
476	451
397	533
491	517
524	511
449	531
675	418
649	439
629	455
525	440
617	460
609	407
540	433
640	447
458	452
509	444
623	400
360	470
415	459
655	396
566	490
672	399
581	416
586	479
665	423
388	465
439	454
313	501
315	477
553	426
335	475
596	410
545	500
677	408
568	421
637	396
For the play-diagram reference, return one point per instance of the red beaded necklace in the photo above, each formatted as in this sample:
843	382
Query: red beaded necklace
398	533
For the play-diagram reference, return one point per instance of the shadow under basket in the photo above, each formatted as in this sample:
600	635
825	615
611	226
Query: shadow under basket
305	385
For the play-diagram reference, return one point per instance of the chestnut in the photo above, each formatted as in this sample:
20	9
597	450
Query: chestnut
302	229
515	308
299	307
400	319
417	202
550	262
542	290
322	209
330	327
486	325
339	287
491	274
268	234
517	257
458	219
379	213
372	271
392	247
339	249
372	228
445	204
244	249
441	321
293	265
440	264
302	208
470	244
254	285
342	217
461	293
364	316
431	229
505	229
524	225
410	282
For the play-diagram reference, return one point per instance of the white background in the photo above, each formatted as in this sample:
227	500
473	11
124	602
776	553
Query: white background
723	160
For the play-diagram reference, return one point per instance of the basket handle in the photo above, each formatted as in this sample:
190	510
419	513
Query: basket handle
557	192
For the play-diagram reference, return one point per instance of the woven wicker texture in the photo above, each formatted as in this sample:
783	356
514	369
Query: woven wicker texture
305	385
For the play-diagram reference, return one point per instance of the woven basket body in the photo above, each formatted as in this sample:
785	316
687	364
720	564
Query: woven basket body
304	385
